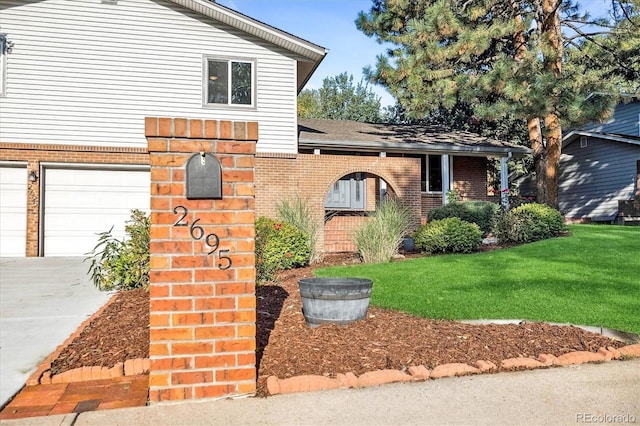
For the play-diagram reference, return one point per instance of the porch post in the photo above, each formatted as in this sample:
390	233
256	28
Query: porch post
504	182
446	182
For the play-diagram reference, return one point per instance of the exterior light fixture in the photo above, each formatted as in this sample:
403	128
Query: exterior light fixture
33	176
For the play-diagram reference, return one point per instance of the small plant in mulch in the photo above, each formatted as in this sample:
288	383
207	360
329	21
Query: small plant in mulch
122	264
279	246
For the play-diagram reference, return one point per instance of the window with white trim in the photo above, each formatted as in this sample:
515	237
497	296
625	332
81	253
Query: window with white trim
229	82
431	173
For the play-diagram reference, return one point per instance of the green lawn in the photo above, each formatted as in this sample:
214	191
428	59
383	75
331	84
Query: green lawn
589	278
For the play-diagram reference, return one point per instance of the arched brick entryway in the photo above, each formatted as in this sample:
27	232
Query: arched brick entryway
311	176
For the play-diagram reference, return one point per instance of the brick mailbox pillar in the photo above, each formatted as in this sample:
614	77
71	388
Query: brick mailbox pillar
202	278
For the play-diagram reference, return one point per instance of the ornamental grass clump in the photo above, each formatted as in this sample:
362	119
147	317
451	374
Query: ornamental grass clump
380	236
298	212
527	223
279	246
122	264
450	235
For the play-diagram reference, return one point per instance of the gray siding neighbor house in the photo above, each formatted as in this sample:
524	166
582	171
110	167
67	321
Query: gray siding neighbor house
600	166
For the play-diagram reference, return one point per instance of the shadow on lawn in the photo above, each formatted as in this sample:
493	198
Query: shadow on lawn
269	301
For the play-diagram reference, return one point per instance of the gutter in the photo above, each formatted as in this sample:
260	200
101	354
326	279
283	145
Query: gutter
414	147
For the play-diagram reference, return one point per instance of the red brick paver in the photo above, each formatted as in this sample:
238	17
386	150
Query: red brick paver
65	398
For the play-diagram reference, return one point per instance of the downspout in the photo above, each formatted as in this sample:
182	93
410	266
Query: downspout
504	180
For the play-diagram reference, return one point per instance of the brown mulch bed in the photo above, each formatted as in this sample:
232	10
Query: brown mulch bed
119	333
287	347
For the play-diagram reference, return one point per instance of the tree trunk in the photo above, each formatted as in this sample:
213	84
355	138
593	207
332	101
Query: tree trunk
554	144
552	38
539	159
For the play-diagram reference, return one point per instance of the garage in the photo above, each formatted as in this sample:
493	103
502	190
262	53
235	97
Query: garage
13	209
81	202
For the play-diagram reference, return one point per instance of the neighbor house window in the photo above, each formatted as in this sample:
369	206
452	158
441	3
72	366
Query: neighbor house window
229	82
431	173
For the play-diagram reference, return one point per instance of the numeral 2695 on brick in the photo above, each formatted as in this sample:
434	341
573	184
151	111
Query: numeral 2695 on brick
197	232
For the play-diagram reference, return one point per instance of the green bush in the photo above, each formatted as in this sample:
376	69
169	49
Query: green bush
122	264
380	236
279	246
528	222
298	212
482	213
450	235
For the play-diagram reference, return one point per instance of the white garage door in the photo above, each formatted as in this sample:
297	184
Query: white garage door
13	210
80	203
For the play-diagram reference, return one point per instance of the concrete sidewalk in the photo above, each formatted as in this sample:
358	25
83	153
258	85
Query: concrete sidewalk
42	301
588	393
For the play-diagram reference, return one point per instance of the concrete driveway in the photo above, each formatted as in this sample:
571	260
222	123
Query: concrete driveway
42	301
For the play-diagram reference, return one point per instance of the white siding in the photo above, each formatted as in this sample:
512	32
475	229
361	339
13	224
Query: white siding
593	179
86	73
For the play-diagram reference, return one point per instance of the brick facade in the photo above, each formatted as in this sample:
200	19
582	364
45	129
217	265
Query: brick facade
277	175
202	306
35	154
470	178
311	176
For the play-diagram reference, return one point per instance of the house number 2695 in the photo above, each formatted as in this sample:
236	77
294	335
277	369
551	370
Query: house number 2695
197	232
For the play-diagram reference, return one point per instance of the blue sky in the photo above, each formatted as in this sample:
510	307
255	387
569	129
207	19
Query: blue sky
330	24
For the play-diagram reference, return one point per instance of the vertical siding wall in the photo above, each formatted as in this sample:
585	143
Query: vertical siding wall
86	73
594	178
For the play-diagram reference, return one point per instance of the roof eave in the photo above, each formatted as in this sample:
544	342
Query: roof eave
574	134
414	147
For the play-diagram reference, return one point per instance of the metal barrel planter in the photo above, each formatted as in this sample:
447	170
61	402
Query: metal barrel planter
334	300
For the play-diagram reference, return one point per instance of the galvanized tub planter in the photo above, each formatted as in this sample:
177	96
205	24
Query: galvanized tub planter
334	300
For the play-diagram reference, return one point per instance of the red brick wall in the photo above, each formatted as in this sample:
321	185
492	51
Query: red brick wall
202	313
279	176
338	232
34	154
470	178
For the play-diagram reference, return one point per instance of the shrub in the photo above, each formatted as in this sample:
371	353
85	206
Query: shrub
450	235
379	237
122	264
298	213
279	246
482	213
528	222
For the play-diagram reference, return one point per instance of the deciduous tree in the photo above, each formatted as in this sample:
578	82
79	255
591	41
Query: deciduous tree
340	99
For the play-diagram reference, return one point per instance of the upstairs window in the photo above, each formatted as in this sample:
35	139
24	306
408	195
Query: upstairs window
229	82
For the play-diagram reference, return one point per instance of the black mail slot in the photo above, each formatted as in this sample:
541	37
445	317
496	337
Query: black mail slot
204	177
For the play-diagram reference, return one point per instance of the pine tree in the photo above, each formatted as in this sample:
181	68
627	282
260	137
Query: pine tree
505	58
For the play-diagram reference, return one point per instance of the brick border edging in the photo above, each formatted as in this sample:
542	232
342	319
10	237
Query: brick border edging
42	375
311	383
